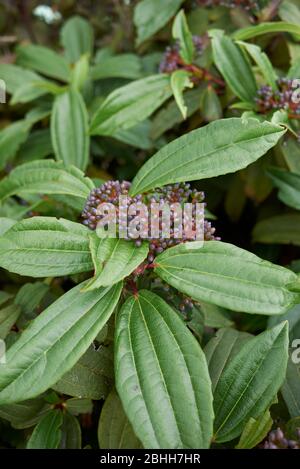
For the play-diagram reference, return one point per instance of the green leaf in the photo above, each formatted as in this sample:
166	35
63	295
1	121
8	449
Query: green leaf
221	349
262	62
137	136
16	77
249	383
161	376
291	152
221	147
114	259
170	115
91	377
5	224
70	433
8	317
264	28
130	104
152	15
118	66
114	429
54	342
255	431
180	80
77	37
46	246
290	13
33	90
43	60
197	322
291	388
184	36
293	71
69	129
79	405
227	276
47	433
293	318
215	317
288	184
4	297
29	298
211	108
281	229
233	65
80	72
11	138
46	177
37	146
24	414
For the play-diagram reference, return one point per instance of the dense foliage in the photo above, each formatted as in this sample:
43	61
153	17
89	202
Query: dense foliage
150	341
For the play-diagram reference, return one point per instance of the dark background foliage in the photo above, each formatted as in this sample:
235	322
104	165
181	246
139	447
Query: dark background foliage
236	202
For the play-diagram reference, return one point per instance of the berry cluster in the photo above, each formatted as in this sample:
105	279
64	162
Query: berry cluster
172	60
277	440
182	302
109	193
181	193
285	98
248	5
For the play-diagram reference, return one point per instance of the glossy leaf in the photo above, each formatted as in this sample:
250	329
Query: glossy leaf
127	106
43	60
221	349
288	184
46	177
184	37
227	276
265	28
234	67
249	383
120	66
151	15
161	376
262	62
114	259
220	147
54	342
69	130
45	246
180	80
255	431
